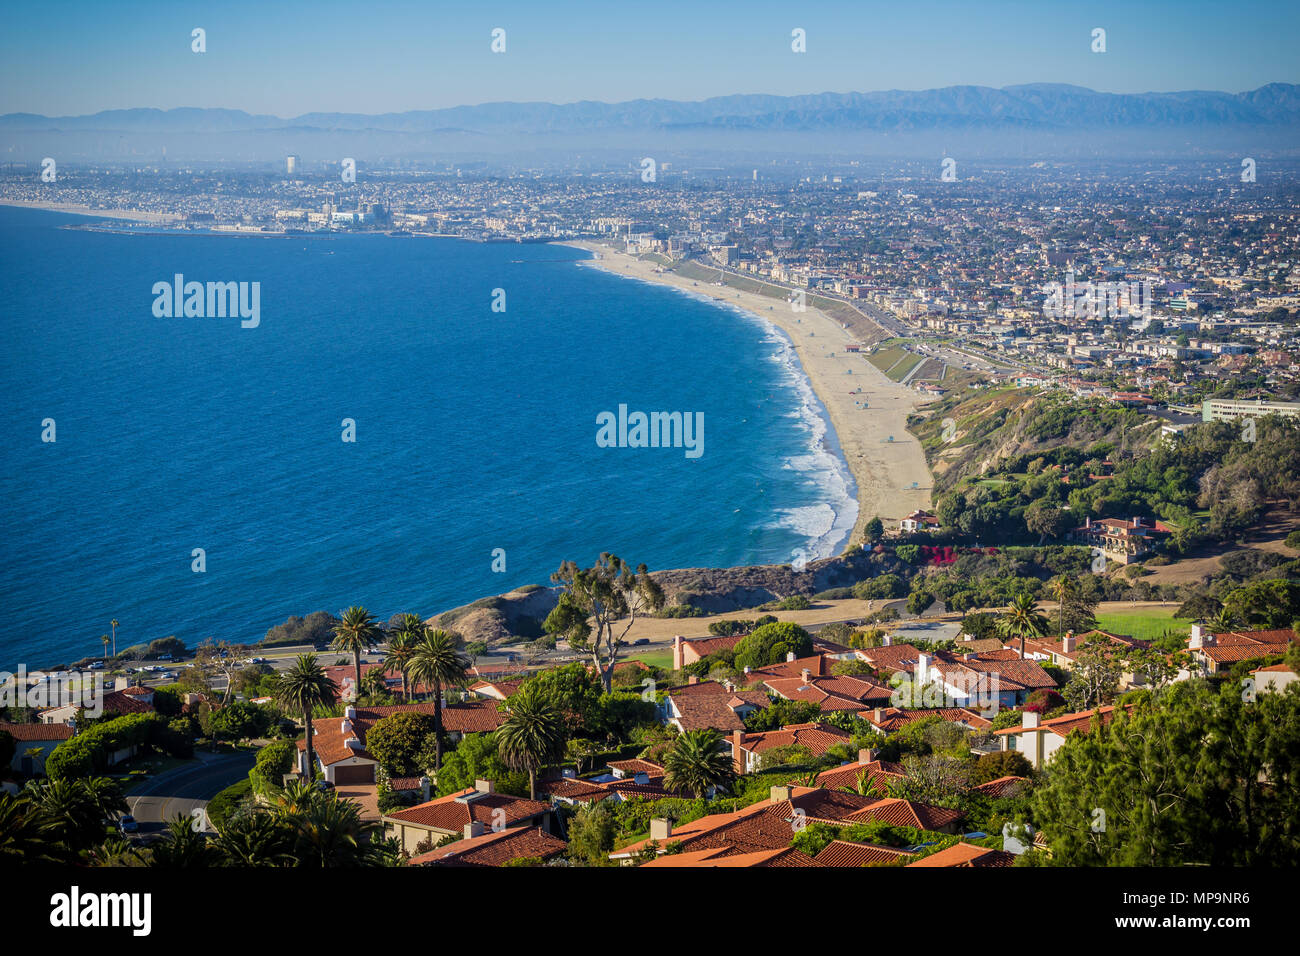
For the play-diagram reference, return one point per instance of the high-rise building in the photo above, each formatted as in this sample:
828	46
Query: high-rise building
290	164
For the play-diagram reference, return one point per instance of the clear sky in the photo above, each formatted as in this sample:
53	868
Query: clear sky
69	57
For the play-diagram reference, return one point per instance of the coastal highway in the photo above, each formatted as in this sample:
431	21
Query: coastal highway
185	789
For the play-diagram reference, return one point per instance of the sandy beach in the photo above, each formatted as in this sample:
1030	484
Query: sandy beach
81	209
892	476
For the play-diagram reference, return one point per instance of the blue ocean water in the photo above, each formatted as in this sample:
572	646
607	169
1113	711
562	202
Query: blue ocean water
475	430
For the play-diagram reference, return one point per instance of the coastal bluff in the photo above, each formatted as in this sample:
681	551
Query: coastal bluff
518	615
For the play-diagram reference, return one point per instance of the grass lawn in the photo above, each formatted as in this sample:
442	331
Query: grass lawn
1146	624
655	658
905	365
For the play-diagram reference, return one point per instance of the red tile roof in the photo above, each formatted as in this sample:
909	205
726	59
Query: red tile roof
846	853
37	733
727	856
967	854
450	813
494	849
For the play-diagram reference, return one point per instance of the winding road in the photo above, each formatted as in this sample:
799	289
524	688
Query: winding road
186	789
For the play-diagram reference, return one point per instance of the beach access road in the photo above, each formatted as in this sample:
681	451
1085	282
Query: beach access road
186	789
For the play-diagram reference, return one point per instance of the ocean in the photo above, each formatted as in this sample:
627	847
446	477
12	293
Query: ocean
475	431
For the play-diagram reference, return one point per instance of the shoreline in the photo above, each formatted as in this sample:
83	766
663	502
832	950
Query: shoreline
882	470
81	209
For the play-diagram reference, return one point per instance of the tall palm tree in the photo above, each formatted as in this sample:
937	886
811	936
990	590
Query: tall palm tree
301	689
436	661
113	625
696	763
531	737
356	631
401	646
104	638
1022	619
1064	589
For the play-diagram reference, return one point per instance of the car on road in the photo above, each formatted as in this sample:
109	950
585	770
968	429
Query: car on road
641	642
126	824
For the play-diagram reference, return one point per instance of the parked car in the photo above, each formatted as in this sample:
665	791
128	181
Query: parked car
126	824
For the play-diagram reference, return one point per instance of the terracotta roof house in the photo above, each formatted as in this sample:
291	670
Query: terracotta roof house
1218	652
44	737
919	521
625	780
723	856
1009	786
1036	740
340	743
1274	678
711	705
115	703
845	853
1122	541
876	773
853	694
689	650
886	720
772	823
1064	651
890	657
818	665
497	690
480	847
747	749
479	808
967	854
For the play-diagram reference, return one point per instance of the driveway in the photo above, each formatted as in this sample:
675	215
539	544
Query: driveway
186	789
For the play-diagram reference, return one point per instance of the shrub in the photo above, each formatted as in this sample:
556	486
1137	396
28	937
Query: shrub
228	801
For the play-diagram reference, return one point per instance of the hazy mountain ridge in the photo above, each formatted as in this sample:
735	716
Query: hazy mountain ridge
1044	106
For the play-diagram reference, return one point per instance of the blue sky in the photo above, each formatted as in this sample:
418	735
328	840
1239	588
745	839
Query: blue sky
65	57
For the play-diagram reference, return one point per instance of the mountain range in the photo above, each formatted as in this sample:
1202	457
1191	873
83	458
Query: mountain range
1038	106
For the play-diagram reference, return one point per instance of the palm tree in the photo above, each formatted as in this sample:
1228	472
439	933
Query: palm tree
435	661
104	638
1223	620
113	625
401	645
696	763
253	838
356	631
1022	619
301	689
184	846
1064	589
531	737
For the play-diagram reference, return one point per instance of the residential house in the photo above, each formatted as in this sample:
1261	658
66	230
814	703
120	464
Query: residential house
481	847
1037	740
1218	652
470	812
29	737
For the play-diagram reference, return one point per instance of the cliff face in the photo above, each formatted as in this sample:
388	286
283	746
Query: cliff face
518	615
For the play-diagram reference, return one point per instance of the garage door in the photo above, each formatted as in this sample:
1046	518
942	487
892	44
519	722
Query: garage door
363	773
